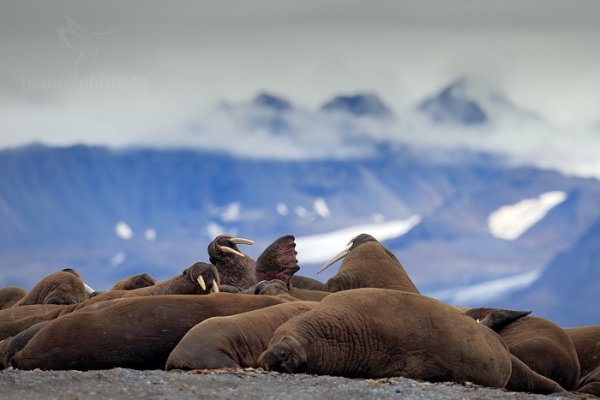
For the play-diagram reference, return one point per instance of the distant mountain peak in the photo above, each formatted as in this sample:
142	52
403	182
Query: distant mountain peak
360	104
455	104
275	103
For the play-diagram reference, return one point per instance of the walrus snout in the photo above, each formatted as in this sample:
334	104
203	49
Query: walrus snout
286	356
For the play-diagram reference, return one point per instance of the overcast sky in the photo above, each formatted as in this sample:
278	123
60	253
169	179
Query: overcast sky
118	72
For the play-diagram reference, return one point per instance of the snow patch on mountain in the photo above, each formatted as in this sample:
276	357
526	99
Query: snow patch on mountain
123	230
486	291
282	208
321	247
509	222
150	234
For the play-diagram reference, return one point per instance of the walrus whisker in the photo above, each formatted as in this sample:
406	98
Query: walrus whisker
201	282
337	257
238	240
226	249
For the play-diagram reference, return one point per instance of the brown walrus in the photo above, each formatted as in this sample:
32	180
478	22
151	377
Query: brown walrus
137	332
236	269
199	278
188	282
368	264
234	341
587	343
376	333
63	287
541	344
10	295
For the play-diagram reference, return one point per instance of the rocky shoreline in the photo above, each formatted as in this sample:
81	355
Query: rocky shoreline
252	384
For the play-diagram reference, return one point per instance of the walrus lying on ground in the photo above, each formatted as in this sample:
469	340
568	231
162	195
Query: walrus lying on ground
199	278
189	282
368	264
541	344
10	295
134	333
64	287
234	341
587	343
376	333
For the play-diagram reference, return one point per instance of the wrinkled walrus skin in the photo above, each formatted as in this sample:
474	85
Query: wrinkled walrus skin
587	343
234	341
136	333
376	333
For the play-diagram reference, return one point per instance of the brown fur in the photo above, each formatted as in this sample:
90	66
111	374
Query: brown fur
586	340
132	333
10	295
185	283
234	341
540	344
370	265
376	333
135	282
64	287
277	287
234	270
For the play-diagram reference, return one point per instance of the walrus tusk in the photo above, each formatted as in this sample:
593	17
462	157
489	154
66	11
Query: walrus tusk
215	288
226	249
201	282
338	256
238	240
88	289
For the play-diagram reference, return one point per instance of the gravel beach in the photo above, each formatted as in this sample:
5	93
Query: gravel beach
229	384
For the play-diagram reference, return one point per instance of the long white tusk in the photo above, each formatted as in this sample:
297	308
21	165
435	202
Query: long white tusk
201	282
88	289
226	249
238	240
215	288
338	256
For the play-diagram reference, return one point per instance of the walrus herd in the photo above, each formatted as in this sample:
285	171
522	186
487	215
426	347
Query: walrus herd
367	321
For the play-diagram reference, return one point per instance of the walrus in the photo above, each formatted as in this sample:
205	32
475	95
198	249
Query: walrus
235	341
377	333
236	269
368	264
63	287
541	344
200	278
135	282
586	340
10	295
136	333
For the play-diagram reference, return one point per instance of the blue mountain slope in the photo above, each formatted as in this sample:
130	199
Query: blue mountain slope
568	290
60	206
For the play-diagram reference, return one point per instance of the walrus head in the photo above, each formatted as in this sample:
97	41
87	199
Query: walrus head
287	356
235	268
202	277
278	261
273	287
64	287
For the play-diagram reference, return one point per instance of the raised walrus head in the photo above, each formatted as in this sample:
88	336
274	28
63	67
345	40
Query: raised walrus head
235	268
278	261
